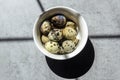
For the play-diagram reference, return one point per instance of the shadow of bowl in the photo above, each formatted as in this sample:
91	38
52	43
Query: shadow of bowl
76	66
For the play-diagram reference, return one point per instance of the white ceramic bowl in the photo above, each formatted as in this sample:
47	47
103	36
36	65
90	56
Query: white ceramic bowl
69	13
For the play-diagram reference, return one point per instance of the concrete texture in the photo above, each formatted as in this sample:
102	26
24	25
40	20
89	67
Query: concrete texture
17	17
23	61
107	61
102	16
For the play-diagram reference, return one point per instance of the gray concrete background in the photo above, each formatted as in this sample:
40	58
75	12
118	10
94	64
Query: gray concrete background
21	60
17	17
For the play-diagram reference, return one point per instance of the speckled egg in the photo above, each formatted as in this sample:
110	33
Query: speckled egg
45	27
69	33
52	47
75	41
55	35
59	21
44	39
68	46
61	51
71	24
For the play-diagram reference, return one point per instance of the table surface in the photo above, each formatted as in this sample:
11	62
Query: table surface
21	60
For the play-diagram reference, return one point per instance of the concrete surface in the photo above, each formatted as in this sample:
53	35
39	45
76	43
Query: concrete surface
21	60
107	61
17	17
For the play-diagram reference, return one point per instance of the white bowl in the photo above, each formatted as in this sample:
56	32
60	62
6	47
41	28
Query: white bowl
69	13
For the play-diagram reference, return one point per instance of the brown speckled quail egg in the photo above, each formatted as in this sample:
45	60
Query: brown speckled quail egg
75	41
45	27
61	51
59	21
70	24
44	39
55	35
52	47
68	46
69	33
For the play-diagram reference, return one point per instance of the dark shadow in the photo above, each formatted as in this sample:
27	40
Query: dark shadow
41	6
16	39
104	36
76	66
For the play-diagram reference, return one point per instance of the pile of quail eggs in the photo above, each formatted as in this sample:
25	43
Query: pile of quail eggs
59	34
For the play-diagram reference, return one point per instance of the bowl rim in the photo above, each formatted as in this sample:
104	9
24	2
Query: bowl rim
78	49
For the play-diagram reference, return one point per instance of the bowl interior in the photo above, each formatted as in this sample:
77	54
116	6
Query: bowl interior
71	14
